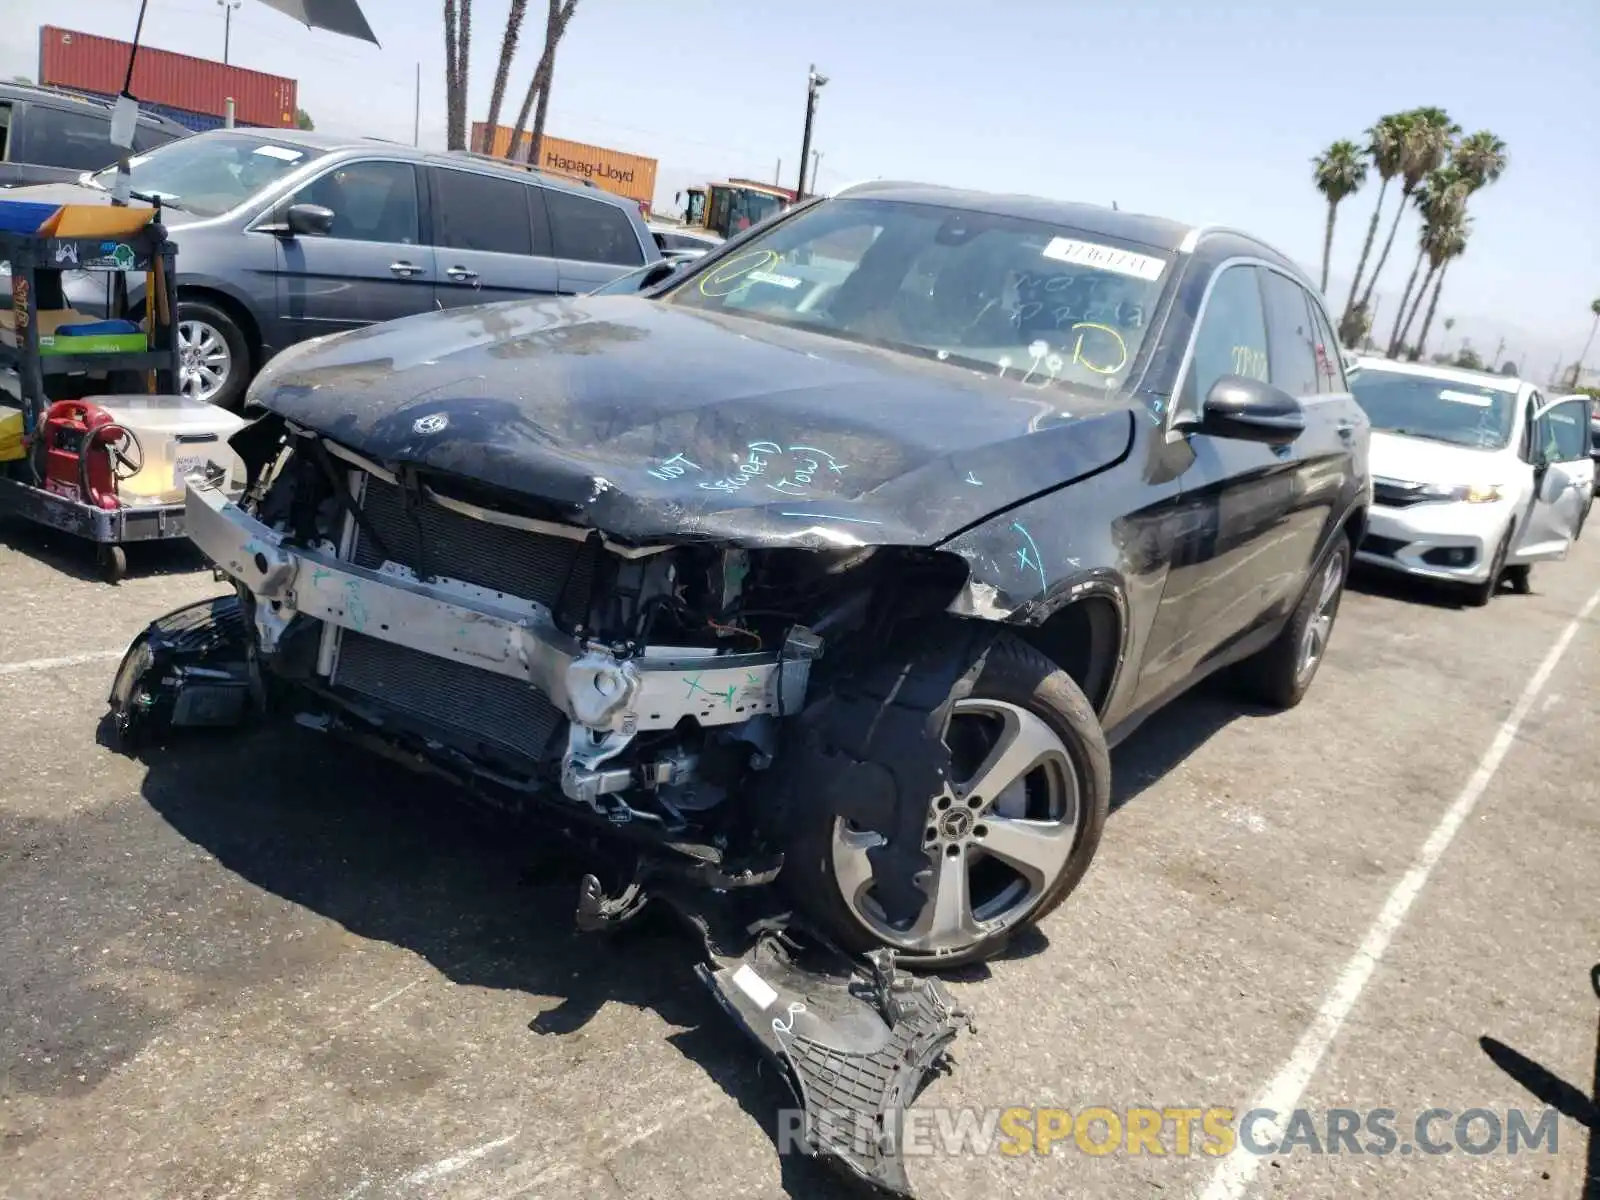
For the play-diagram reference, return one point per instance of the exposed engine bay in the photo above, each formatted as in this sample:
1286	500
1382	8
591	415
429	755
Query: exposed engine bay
658	674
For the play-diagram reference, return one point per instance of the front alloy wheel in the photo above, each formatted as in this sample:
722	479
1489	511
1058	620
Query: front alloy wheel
997	840
204	360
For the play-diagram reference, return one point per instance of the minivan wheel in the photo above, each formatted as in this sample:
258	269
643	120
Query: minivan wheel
213	356
1006	840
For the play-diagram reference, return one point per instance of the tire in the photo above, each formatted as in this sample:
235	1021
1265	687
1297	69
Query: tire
1521	579
203	330
1279	675
1479	594
1025	694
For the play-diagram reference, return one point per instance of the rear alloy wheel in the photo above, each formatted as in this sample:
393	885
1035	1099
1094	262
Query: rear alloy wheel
1281	674
1006	839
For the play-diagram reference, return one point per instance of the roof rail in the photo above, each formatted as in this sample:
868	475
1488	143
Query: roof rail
1192	238
519	165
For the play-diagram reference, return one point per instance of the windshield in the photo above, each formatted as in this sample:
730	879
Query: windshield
1443	410
213	173
1023	299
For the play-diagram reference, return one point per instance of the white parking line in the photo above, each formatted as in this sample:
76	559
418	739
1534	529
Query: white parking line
67	660
1232	1176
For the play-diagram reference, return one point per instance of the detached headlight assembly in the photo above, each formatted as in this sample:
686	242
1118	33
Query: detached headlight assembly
1470	493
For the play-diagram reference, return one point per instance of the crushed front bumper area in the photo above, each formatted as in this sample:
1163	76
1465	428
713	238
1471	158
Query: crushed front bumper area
856	1039
608	697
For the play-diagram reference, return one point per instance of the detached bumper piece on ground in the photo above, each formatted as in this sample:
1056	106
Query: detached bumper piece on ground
856	1038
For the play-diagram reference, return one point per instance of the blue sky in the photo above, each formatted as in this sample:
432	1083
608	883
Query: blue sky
1200	112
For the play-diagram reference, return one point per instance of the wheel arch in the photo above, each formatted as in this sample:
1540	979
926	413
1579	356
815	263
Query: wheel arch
1085	634
238	312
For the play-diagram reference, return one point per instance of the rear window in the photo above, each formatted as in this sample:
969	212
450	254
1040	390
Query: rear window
1023	300
74	140
591	230
1436	408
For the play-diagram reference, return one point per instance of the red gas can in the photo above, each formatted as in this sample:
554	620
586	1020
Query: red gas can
76	462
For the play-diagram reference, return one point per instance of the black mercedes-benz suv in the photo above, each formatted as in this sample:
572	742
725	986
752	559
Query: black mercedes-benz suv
836	558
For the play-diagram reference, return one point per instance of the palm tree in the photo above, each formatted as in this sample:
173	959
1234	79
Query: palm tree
557	16
1450	243
1577	367
1386	147
457	53
1429	134
1481	159
1442	202
508	50
1341	169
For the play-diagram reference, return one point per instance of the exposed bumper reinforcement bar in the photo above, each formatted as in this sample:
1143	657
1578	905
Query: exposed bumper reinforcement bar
596	688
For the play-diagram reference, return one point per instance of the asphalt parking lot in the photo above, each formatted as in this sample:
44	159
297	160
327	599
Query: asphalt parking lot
265	966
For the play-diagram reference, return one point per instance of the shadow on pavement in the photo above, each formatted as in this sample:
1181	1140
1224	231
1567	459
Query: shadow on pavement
1413	589
76	556
1162	743
397	857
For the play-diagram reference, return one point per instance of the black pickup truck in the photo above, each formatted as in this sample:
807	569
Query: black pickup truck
47	135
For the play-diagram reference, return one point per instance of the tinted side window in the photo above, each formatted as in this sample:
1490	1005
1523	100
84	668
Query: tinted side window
590	230
1232	338
481	212
148	137
1330	366
76	141
1291	347
371	201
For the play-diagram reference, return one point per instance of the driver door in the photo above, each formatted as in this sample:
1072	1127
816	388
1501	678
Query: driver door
1563	479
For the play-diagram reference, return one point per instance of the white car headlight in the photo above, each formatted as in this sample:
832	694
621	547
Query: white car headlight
1470	493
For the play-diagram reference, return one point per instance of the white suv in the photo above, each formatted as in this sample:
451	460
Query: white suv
1476	476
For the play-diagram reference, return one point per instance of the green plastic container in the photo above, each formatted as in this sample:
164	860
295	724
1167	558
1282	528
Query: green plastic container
99	343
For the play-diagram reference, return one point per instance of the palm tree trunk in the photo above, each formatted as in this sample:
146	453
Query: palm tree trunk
1416	305
1327	243
555	25
536	138
451	96
1405	197
463	74
1399	317
508	49
1366	249
1427	321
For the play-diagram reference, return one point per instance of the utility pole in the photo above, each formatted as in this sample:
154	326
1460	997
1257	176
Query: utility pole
814	83
227	7
1498	351
416	117
816	165
777	175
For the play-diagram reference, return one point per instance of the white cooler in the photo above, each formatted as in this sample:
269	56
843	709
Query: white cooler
177	437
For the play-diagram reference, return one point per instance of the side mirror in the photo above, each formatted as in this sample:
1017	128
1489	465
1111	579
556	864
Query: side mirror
1252	411
311	219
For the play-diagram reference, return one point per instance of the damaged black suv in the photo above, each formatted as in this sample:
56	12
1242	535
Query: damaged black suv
836	558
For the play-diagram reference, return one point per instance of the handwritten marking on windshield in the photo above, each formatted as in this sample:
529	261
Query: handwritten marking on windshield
727	278
1028	555
674	467
973	480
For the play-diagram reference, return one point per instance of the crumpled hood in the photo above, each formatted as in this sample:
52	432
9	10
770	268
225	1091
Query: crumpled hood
650	421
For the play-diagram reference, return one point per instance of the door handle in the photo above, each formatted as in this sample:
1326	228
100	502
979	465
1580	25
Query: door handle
404	268
1347	429
461	274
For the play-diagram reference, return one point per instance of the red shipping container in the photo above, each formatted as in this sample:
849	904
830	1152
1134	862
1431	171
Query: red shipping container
71	59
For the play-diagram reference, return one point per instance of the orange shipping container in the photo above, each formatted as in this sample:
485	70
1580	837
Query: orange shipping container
82	61
617	171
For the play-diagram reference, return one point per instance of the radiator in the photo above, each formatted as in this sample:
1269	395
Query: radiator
496	710
499	712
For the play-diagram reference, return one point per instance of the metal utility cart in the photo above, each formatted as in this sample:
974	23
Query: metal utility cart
37	261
